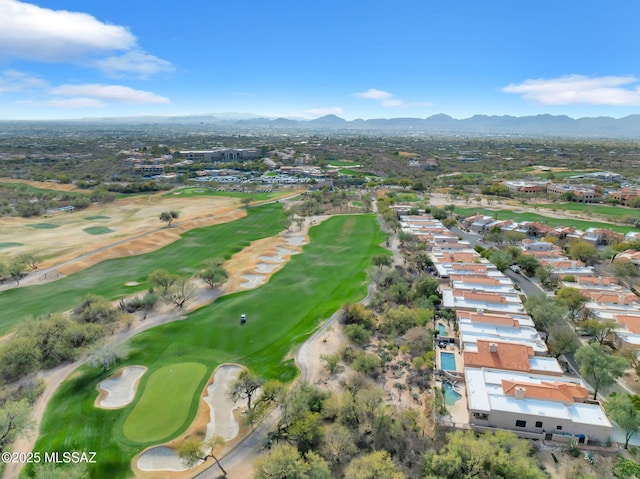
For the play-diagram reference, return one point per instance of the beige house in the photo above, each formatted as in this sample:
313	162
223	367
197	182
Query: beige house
534	406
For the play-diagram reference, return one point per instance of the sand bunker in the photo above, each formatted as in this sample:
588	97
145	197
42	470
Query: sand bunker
131	283
252	280
266	267
119	390
160	458
221	420
296	240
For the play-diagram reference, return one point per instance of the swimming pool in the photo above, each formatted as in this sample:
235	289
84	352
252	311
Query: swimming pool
442	330
450	395
447	361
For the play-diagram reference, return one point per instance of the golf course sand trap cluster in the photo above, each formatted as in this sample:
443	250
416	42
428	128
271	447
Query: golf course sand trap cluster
221	422
119	389
271	262
252	266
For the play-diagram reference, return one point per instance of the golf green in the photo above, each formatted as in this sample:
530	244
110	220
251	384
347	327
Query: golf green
43	226
10	245
98	230
165	403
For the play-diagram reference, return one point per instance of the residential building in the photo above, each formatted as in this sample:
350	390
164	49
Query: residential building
534	406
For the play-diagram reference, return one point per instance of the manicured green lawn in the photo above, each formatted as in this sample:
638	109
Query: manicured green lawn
281	314
98	230
43	226
10	245
108	278
165	403
97	217
508	214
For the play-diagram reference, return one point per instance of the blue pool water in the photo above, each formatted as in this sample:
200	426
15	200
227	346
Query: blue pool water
447	361
450	396
442	331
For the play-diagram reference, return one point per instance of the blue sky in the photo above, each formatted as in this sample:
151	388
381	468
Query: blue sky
303	58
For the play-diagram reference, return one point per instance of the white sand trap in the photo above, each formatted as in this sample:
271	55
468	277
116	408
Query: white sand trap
272	259
120	389
221	419
296	240
266	267
131	283
252	280
160	458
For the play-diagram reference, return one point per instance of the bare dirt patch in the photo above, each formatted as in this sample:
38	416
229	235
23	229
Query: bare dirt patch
129	218
46	185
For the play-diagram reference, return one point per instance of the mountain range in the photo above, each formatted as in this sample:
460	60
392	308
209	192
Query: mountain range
441	124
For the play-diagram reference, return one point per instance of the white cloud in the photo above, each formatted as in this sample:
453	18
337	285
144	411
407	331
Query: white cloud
579	89
35	33
334	110
373	94
392	103
74	103
12	80
111	93
136	62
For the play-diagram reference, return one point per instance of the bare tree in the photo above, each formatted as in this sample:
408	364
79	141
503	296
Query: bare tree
181	291
106	354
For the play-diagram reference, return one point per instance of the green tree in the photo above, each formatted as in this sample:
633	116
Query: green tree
528	264
381	260
625	413
169	216
598	329
14	422
626	469
545	311
95	309
562	340
491	455
245	386
502	259
357	333
375	465
600	369
193	451
285	462
543	273
573	299
332	361
583	251
162	280
214	275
